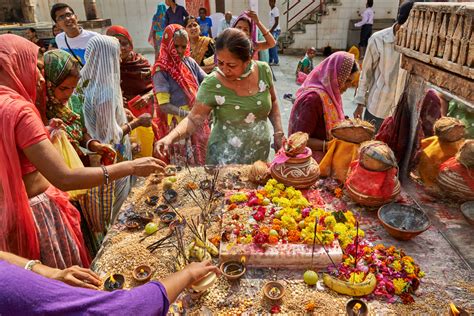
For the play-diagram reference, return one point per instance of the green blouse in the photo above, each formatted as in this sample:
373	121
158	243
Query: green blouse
240	133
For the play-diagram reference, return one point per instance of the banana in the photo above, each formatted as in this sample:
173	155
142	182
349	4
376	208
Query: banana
351	289
454	309
209	246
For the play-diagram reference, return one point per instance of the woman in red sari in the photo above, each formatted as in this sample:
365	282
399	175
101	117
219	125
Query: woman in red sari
37	219
176	78
318	104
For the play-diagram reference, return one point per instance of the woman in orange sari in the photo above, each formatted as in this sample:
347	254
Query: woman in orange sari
318	104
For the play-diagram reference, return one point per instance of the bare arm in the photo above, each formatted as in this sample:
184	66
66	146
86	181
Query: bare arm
277	19
316	144
187	126
74	276
172	109
177	282
275	119
269	40
51	165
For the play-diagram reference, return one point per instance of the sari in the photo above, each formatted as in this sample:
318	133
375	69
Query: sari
321	85
179	70
157	28
203	50
45	227
104	114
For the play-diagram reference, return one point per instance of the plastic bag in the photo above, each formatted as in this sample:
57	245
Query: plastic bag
70	156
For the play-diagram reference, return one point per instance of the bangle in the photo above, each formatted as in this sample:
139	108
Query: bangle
265	34
324	146
179	134
278	133
106	175
89	142
30	264
129	127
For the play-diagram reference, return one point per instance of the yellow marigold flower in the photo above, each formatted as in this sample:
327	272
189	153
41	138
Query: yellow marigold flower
421	274
330	221
238	197
400	285
408	259
340	228
280	186
356	277
397	266
272	182
409	268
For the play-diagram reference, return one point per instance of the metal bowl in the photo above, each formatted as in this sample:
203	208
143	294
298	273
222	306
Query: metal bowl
403	222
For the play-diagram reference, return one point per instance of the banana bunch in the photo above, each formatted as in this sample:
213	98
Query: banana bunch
209	246
352	289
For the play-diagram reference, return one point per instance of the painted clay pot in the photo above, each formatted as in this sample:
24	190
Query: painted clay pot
300	173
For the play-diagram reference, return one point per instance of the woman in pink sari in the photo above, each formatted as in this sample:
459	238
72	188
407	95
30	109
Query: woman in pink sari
37	220
318	104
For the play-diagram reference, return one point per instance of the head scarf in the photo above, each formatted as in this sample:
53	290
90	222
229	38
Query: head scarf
157	24
58	65
328	77
99	89
253	26
18	64
133	69
170	62
404	11
354	51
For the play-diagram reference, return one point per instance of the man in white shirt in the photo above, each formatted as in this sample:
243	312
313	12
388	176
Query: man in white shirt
74	39
366	26
380	68
275	31
226	22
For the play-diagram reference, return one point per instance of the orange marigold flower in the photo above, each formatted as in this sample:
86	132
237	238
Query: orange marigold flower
231	206
310	306
293	235
276	227
338	192
379	247
276	221
215	240
272	239
265	230
408	259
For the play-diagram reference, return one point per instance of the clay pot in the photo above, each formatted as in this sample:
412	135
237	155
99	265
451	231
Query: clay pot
162	208
168	217
131	224
205	282
371	201
142	273
152	200
300	173
170	196
403	222
232	270
273	290
363	310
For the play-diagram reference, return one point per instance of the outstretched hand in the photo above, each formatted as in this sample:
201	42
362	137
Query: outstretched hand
77	276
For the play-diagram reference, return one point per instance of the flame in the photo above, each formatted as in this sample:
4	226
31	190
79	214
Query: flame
112	279
243	259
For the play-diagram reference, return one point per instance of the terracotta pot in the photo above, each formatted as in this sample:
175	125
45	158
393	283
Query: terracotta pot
300	173
271	286
142	273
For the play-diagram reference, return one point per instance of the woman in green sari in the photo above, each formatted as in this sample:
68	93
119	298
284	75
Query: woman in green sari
241	97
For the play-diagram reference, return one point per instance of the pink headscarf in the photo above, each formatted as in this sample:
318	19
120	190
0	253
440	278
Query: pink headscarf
253	26
328	77
18	58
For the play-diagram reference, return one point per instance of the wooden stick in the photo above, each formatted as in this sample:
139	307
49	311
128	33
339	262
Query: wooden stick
356	243
314	239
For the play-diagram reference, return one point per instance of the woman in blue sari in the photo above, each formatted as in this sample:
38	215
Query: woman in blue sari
157	28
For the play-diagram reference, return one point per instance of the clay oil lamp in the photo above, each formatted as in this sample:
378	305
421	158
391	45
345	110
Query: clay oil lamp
177	223
232	269
179	168
168	217
152	200
356	307
210	168
132	224
156	178
114	282
162	208
273	290
170	171
205	283
238	185
170	195
142	273
146	216
205	184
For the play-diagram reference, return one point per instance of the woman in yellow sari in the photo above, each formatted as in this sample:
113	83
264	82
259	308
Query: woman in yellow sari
202	47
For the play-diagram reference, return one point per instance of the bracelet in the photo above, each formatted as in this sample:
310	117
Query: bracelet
129	126
324	146
265	34
179	134
106	175
278	133
30	264
89	142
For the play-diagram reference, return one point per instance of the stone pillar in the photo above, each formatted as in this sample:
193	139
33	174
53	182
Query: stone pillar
90	7
28	9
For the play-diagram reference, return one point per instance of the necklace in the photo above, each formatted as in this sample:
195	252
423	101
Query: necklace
243	77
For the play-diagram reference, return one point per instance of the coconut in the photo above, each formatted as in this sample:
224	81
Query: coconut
449	129
376	156
465	155
259	173
354	131
296	144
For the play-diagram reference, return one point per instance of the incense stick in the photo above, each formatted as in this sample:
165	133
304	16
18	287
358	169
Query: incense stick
356	243
314	239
